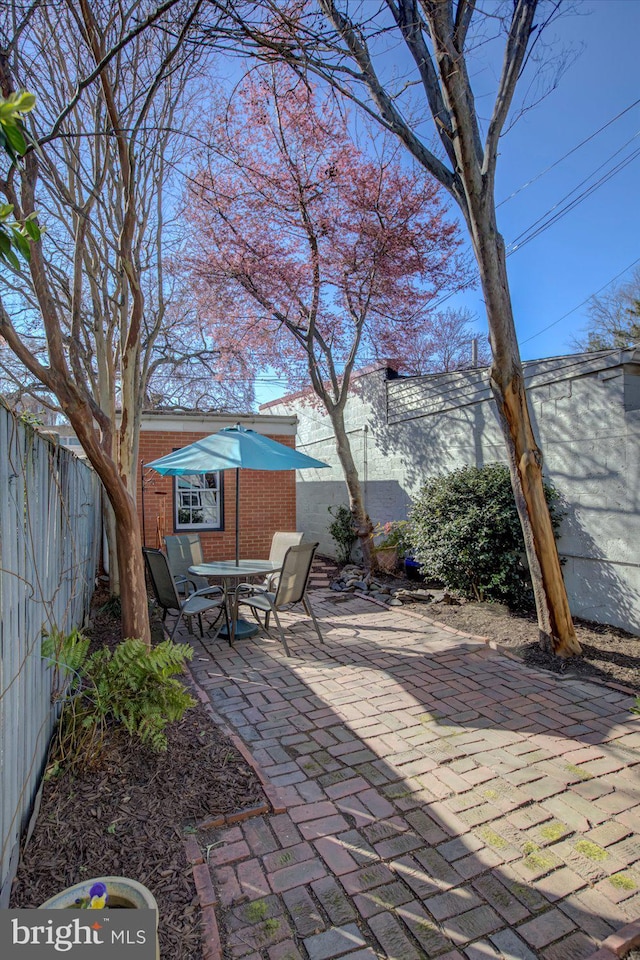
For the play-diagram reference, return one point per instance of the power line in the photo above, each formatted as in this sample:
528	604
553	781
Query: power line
586	300
546	220
568	153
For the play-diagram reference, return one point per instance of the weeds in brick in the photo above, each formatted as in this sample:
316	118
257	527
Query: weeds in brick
493	839
554	830
256	911
591	850
534	858
579	771
622	881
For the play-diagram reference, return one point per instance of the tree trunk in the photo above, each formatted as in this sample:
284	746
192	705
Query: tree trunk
363	524
133	587
109	521
557	633
131	570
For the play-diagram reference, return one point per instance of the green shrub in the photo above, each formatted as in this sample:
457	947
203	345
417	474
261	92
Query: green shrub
131	686
466	533
343	531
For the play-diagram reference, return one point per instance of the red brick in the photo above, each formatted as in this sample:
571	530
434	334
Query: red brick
204	887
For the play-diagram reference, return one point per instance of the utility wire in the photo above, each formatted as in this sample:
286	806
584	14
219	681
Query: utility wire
568	153
550	217
586	300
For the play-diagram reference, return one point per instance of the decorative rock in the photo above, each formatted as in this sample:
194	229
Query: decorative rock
394	602
336	585
451	601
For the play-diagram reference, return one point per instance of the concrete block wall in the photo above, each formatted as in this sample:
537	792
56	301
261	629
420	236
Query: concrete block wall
586	412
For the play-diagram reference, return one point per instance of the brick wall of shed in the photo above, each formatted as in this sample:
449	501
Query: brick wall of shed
267	500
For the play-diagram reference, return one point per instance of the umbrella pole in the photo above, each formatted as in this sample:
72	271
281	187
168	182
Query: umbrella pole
237	516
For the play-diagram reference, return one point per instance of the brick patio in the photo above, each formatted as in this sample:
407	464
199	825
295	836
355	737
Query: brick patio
441	799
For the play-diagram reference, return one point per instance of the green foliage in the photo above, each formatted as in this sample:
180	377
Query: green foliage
395	533
343	531
12	108
466	533
131	686
15	236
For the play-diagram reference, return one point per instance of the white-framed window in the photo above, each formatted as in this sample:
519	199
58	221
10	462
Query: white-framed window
198	501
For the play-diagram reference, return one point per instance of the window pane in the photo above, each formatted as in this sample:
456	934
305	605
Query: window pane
197	501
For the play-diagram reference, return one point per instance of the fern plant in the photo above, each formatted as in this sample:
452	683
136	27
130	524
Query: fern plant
131	686
66	653
137	687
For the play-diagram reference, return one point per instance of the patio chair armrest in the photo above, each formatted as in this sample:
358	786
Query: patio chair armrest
180	581
208	591
250	588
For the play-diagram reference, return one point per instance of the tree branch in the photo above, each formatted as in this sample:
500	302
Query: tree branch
515	51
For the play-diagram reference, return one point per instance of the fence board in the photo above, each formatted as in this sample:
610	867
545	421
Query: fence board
50	534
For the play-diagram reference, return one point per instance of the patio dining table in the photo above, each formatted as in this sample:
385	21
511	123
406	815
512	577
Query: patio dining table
231	572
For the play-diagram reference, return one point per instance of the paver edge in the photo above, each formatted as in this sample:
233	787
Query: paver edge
620	943
271	792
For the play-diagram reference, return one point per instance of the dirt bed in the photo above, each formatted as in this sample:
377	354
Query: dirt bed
608	653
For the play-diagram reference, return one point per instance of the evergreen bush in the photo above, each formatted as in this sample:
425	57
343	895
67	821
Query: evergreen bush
343	531
466	532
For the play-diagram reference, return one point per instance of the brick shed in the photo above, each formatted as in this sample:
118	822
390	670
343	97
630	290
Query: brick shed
176	505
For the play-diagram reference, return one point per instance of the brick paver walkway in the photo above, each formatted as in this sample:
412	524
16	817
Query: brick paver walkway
442	800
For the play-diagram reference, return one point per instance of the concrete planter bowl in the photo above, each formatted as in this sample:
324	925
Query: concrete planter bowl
122	894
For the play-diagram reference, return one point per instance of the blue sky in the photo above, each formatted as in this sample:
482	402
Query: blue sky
581	253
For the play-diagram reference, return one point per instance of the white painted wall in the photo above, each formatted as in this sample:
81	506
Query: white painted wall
586	411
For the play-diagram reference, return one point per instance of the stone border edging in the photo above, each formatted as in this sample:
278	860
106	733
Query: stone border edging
504	651
210	935
619	944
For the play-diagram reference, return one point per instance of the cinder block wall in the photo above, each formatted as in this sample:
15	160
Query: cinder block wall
586	411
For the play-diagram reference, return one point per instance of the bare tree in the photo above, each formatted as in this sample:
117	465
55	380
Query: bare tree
444	342
614	318
356	47
110	83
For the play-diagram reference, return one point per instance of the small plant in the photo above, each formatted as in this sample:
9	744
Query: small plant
394	533
343	531
131	686
466	532
96	899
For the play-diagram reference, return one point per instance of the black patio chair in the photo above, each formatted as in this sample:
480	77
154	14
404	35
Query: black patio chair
166	594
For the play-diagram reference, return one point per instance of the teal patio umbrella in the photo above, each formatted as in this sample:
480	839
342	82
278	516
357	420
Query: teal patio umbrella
233	448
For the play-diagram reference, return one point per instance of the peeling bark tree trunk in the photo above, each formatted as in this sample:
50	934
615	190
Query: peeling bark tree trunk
364	527
557	633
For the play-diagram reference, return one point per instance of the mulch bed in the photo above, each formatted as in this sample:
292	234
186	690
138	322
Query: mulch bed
129	815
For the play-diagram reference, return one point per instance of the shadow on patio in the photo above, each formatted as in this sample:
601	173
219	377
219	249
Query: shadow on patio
440	798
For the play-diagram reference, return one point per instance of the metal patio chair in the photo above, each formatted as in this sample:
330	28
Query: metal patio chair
184	550
291	589
282	540
166	593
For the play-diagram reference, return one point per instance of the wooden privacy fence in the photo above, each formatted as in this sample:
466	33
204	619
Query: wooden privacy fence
50	536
